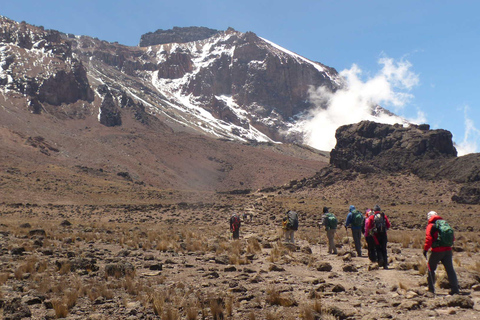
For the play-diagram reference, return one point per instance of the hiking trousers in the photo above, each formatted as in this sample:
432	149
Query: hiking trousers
382	249
372	250
331	241
357	239
236	234
289	235
446	258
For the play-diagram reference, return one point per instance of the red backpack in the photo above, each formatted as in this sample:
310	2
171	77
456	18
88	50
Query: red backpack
234	222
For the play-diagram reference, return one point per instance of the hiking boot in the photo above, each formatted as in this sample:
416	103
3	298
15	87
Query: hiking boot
452	292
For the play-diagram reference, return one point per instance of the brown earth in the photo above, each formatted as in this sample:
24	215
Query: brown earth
186	267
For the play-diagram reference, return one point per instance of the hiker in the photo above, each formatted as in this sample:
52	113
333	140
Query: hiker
439	237
290	225
368	233
235	226
330	222
355	219
376	227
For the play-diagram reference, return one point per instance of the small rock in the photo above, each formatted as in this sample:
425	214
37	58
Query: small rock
156	267
239	289
350	268
230	269
460	301
409	305
373	267
15	309
338	288
17	251
25	225
37	232
324	266
274	267
65	223
149	257
222	259
123	253
396	251
248	270
212	275
120	269
307	250
29	300
51	314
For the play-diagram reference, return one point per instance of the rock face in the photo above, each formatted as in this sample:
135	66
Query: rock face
177	35
369	146
56	78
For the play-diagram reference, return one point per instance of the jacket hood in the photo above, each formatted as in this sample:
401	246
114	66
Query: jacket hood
434	218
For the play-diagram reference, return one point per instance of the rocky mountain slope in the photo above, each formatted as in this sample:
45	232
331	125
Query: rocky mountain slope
220	83
157	115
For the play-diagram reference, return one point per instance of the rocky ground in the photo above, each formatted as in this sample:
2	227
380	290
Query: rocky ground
175	260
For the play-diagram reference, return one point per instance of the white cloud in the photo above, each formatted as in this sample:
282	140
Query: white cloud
356	102
470	138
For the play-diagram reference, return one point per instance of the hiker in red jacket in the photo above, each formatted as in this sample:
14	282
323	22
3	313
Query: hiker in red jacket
376	227
235	226
439	237
371	241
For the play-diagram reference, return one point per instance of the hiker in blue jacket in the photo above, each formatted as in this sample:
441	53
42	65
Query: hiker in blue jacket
355	221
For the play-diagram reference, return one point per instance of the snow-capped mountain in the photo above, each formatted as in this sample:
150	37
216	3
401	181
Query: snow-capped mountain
223	83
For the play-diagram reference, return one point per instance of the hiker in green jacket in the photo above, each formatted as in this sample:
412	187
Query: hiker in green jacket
330	222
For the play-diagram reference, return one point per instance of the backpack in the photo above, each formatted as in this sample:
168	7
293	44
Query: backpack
234	223
357	218
292	219
331	221
380	225
445	234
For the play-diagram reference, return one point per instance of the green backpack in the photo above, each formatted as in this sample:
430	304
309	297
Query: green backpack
331	222
357	218
445	234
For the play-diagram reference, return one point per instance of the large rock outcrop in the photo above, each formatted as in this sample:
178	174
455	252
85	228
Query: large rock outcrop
369	146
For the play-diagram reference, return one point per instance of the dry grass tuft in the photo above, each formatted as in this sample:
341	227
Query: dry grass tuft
217	308
191	312
4	277
253	246
275	298
158	303
61	309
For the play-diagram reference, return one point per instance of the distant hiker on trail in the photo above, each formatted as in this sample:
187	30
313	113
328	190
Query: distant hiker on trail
377	226
439	237
355	219
330	222
290	225
235	226
368	232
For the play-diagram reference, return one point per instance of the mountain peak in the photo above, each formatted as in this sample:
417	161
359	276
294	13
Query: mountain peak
176	35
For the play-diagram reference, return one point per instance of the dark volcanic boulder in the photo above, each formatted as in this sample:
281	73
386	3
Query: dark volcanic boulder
368	146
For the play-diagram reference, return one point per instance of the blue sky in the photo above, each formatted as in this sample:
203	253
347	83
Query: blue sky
440	39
